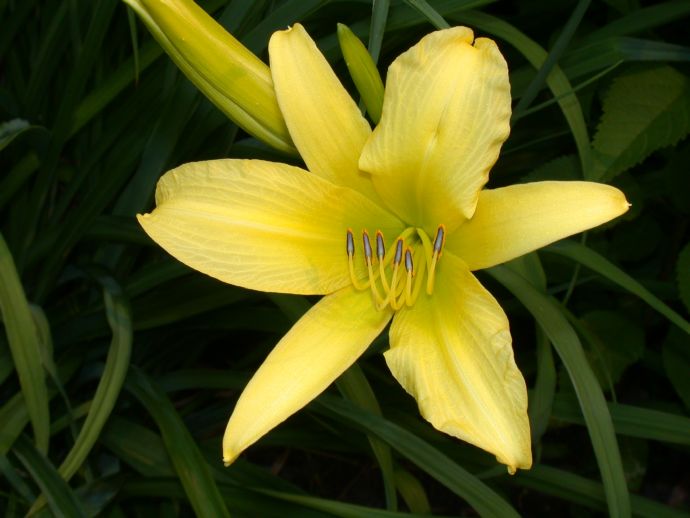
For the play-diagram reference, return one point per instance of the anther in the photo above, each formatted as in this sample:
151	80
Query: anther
398	252
350	243
350	247
397	259
380	246
408	261
381	255
372	278
440	240
409	267
367	246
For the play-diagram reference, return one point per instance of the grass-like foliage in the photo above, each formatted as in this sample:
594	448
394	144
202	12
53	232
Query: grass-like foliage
119	366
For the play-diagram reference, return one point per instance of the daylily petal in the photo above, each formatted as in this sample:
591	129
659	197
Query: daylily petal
514	220
318	349
261	225
452	351
323	120
446	112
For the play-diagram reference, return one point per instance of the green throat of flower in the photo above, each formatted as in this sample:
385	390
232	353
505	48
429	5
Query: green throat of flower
389	284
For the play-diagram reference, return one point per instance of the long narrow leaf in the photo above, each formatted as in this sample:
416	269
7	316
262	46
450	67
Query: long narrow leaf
61	499
587	388
191	467
557	81
480	496
24	345
116	365
592	260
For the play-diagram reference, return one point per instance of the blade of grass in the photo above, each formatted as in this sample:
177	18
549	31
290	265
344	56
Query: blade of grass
191	467
101	17
595	56
60	497
109	88
592	260
642	19
429	13
587	388
335	508
22	338
354	386
554	56
377	28
557	81
480	496
582	491
632	421
110	384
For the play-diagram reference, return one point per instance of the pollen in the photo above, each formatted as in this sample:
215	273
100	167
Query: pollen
395	275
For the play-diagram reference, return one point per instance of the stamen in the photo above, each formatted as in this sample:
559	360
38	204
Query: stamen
418	279
350	247
380	246
439	241
350	243
409	268
381	255
409	265
398	291
367	246
398	252
393	289
378	299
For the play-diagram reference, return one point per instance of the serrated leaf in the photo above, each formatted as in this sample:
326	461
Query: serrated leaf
644	110
683	275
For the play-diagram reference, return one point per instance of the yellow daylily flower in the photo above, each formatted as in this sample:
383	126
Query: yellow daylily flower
387	225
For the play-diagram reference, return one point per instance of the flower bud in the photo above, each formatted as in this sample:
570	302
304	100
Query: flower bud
363	71
228	73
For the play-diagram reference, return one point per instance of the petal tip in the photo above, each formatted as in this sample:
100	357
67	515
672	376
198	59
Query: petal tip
228	459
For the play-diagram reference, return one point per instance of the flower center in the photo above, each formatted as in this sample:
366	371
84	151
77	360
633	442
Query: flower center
389	285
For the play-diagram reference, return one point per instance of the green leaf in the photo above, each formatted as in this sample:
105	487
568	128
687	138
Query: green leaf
683	275
676	358
561	168
192	469
556	80
582	491
429	13
110	384
615	50
592	260
61	499
480	496
10	130
555	54
618	342
644	110
354	386
412	492
379	17
587	388
24	344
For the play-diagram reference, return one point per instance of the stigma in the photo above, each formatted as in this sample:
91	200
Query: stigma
395	276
